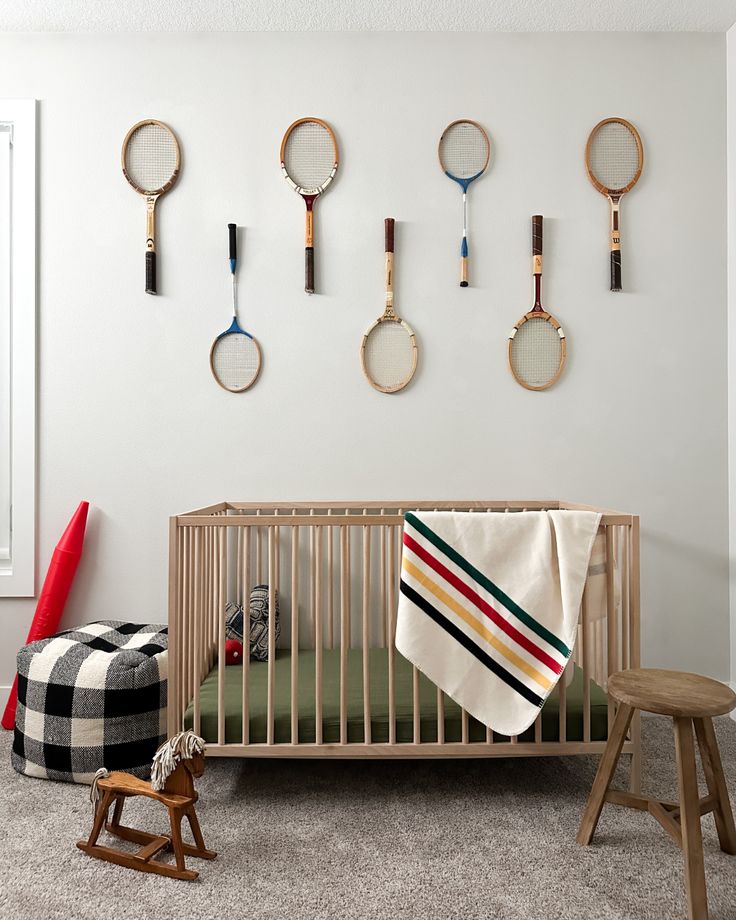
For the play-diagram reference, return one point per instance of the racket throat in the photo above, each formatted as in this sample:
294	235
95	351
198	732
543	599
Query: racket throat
615	224
537	308
150	223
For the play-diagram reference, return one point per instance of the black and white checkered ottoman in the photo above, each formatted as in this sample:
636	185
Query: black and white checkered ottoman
90	697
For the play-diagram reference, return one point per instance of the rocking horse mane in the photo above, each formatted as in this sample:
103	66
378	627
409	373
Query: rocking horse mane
183	746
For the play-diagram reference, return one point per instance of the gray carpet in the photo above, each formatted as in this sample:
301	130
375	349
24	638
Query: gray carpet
480	839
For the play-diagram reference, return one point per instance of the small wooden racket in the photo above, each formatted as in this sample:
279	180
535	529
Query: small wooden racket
537	349
151	162
388	353
614	158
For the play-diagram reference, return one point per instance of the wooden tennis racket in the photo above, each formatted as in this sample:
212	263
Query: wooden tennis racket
388	353
614	158
309	161
464	152
151	161
537	348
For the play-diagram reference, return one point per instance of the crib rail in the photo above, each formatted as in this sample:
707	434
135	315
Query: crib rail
335	568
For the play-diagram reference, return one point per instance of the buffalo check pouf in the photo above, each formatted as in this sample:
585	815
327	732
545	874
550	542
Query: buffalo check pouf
91	697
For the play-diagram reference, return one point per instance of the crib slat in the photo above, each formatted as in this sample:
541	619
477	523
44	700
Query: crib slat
330	586
197	625
318	685
383	600
611	643
585	639
538	728
294	635
391	637
271	675
238	565
259	552
173	712
221	601
366	635
415	705
563	702
247	585
464	727
344	630
440	716
625	608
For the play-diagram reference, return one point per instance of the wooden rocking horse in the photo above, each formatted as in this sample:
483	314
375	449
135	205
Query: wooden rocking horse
175	766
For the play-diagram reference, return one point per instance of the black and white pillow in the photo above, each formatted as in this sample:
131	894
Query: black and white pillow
91	697
259	614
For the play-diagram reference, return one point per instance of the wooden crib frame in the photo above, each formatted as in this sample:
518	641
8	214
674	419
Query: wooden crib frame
344	574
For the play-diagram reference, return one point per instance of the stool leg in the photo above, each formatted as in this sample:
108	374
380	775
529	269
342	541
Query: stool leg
713	769
603	777
692	838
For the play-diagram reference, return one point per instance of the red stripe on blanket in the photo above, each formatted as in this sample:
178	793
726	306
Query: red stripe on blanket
482	605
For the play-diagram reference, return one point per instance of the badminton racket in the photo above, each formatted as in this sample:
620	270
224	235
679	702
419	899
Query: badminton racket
388	353
309	160
537	349
151	161
235	356
614	157
464	153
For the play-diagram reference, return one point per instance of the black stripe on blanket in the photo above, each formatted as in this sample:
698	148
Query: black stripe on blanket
468	644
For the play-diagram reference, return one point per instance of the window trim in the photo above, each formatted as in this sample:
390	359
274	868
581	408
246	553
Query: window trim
17	575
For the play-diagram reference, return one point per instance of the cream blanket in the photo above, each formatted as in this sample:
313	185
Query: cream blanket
489	606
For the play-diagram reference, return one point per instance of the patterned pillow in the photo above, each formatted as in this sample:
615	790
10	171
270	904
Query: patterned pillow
258	622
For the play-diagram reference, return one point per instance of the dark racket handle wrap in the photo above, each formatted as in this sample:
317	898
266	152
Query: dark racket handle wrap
537	235
616	270
151	273
389	228
309	269
232	239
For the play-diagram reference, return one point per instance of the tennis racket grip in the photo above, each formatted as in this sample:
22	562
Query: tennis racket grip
309	269
537	235
616	270
389	233
151	273
233	240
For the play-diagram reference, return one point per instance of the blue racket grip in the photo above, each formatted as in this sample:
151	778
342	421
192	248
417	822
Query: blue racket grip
232	234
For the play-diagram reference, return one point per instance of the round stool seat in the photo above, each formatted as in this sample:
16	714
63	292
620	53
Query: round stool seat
672	693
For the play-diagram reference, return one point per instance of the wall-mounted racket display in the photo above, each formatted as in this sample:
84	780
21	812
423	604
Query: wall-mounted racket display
388	353
309	160
464	153
614	157
235	356
151	162
537	347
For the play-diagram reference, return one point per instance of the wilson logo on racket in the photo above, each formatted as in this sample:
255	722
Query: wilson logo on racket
309	161
614	158
388	353
151	161
537	348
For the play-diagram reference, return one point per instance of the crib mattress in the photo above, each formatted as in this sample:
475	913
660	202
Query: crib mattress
378	674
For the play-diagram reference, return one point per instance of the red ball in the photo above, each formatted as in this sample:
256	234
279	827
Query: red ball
233	652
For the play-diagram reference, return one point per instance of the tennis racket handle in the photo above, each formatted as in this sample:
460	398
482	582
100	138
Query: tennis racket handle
616	270
463	271
389	227
537	234
309	269
151	273
233	239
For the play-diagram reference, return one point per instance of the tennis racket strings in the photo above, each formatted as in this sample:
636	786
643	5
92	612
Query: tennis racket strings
614	156
309	155
151	157
537	353
236	361
389	355
464	150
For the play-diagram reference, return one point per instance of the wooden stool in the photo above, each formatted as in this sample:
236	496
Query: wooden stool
691	700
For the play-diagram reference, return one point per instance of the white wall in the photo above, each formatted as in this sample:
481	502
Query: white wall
731	202
131	419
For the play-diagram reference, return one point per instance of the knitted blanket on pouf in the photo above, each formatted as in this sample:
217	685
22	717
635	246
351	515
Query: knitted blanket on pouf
91	697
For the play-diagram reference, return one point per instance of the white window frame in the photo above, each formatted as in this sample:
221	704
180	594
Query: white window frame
17	569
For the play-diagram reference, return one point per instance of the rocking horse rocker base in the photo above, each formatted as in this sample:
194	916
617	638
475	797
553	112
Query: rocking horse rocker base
179	797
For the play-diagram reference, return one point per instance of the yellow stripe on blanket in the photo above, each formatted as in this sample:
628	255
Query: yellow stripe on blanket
468	618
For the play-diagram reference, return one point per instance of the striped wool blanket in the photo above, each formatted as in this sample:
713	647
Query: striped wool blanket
489	606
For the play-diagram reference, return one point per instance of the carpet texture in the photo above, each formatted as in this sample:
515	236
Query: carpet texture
432	839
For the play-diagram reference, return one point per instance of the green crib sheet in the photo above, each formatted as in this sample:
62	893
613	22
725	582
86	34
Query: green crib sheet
378	671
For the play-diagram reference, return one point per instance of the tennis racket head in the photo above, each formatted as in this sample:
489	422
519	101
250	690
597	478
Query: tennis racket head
537	350
614	157
464	151
235	359
309	156
388	354
151	157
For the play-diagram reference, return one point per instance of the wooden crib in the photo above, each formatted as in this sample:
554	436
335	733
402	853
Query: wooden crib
335	686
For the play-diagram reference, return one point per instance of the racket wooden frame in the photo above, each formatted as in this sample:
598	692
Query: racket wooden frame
614	195
151	196
389	316
235	328
309	195
538	312
464	185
